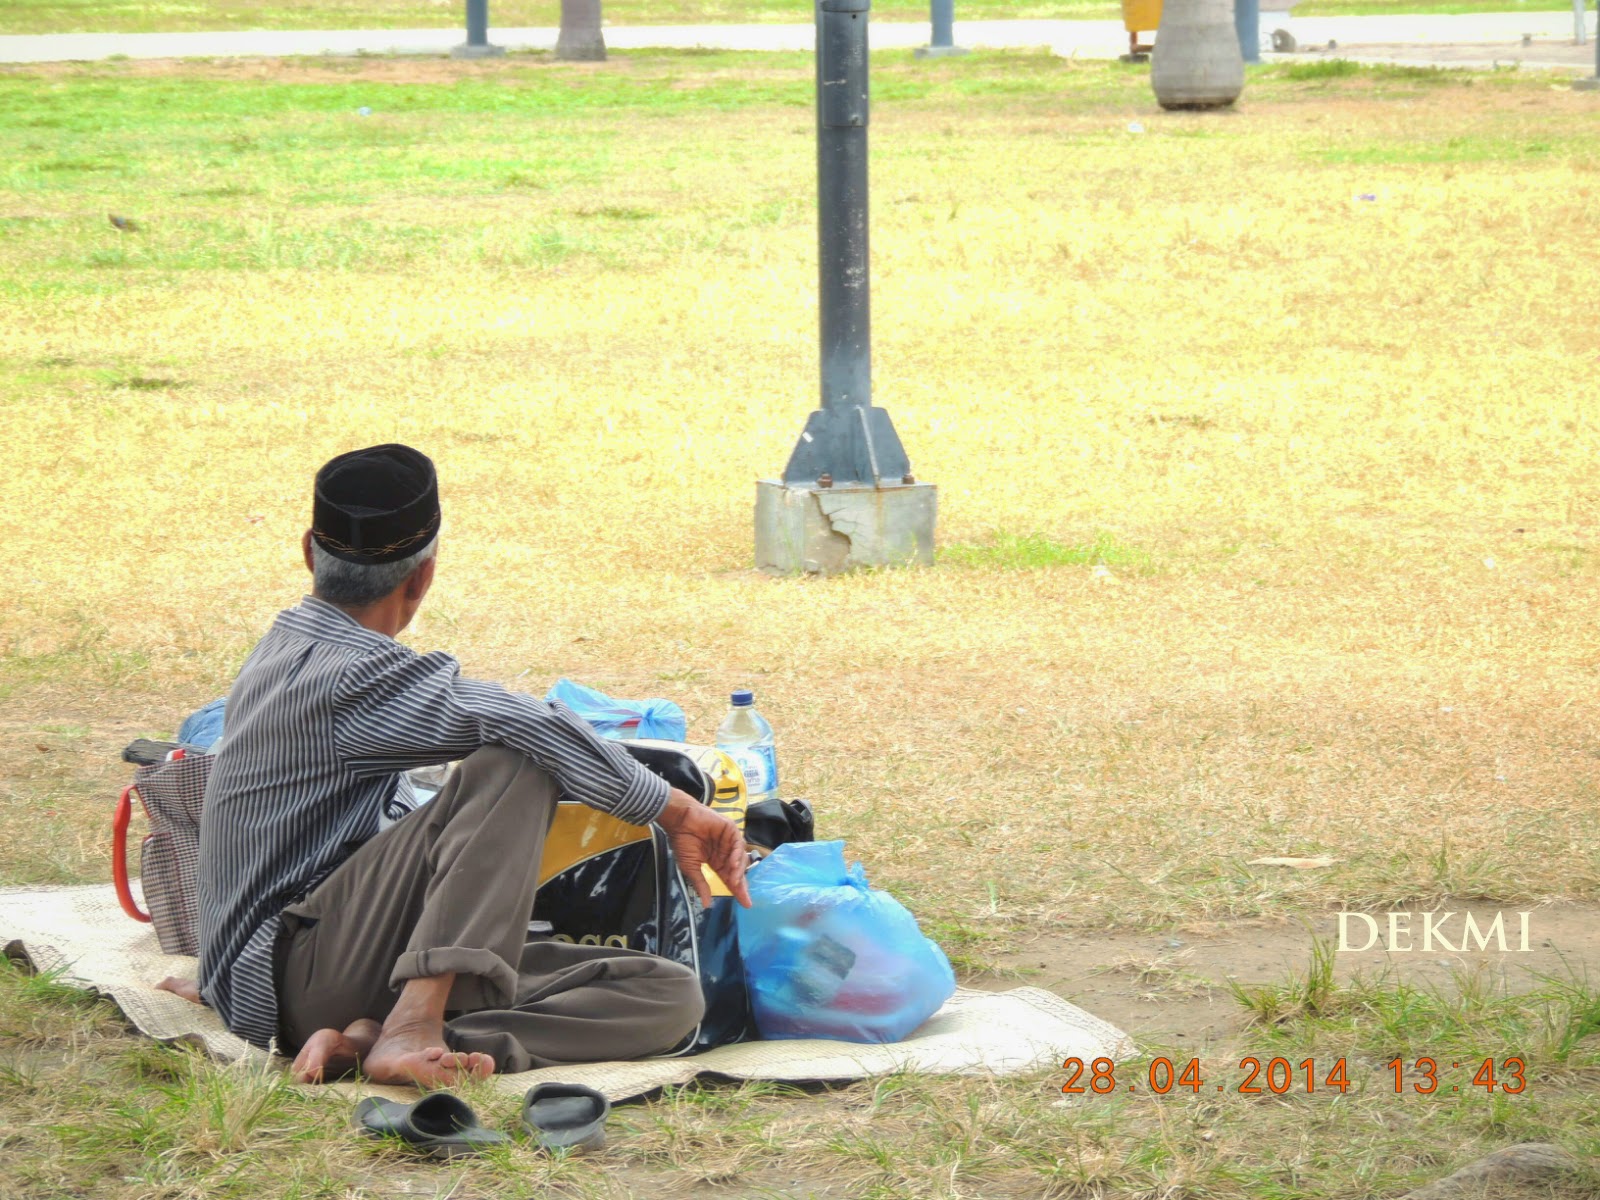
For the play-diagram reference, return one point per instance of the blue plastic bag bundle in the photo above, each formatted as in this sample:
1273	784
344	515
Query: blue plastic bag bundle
826	956
621	718
203	727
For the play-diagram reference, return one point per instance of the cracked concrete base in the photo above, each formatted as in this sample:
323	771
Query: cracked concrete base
823	531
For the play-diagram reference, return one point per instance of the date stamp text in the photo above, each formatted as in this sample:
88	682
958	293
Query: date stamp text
1280	1076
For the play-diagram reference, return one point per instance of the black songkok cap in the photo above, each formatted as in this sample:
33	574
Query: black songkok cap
377	505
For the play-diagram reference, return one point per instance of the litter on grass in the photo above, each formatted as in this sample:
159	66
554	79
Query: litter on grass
1299	864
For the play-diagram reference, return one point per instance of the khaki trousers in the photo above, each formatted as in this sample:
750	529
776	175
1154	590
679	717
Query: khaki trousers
449	890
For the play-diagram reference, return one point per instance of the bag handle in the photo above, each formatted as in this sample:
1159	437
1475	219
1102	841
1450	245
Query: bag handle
119	855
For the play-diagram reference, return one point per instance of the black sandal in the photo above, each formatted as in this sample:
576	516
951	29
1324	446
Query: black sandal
566	1116
439	1125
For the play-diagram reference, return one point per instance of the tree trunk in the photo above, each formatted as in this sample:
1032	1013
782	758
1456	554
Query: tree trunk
1196	62
581	39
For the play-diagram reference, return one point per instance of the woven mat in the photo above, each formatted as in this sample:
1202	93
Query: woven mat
81	934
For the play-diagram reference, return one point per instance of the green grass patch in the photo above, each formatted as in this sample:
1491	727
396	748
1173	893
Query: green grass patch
231	174
1308	72
25	994
103	102
1464	149
1343	68
1553	1028
1036	551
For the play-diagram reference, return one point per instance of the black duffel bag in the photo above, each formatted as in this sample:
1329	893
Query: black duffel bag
603	882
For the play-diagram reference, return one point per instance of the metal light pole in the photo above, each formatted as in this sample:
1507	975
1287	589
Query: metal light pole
847	497
1247	23
844	270
477	43
942	44
1592	84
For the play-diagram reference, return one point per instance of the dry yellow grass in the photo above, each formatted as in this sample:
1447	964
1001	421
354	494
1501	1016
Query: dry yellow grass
1349	444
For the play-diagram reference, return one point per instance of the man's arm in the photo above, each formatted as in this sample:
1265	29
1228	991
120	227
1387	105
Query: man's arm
397	709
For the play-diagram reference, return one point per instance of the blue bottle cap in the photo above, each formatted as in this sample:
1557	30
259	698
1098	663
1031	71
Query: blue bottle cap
743	699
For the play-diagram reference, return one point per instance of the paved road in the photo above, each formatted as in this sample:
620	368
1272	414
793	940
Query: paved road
1470	39
1476	56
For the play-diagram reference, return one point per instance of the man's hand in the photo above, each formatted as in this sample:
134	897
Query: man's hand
701	837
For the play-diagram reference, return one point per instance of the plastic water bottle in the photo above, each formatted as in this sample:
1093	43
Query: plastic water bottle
745	737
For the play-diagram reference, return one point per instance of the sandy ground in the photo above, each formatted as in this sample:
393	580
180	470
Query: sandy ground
1172	987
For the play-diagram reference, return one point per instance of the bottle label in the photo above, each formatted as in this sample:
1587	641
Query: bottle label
759	766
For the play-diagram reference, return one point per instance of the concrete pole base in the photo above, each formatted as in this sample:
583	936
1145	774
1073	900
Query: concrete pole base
468	50
941	51
1591	84
824	531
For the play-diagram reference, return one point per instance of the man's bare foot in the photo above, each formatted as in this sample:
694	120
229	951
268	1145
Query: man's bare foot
187	988
416	1054
328	1053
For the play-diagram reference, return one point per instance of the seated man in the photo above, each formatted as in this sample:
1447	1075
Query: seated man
403	951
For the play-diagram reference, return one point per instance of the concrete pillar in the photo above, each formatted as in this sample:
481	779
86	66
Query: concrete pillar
1196	62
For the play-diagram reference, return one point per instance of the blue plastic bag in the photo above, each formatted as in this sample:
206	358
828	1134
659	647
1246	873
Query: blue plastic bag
203	727
621	718
826	956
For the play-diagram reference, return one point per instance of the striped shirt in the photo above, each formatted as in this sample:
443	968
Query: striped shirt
322	720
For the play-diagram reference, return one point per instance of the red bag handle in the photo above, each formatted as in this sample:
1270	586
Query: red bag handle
119	855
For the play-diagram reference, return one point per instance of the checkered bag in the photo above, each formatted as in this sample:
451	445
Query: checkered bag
171	791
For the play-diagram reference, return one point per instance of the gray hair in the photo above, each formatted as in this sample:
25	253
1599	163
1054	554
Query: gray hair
356	585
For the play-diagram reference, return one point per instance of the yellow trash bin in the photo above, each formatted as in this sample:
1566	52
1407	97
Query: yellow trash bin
1140	16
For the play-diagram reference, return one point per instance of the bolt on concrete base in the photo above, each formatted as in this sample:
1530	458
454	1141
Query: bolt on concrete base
468	50
823	531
